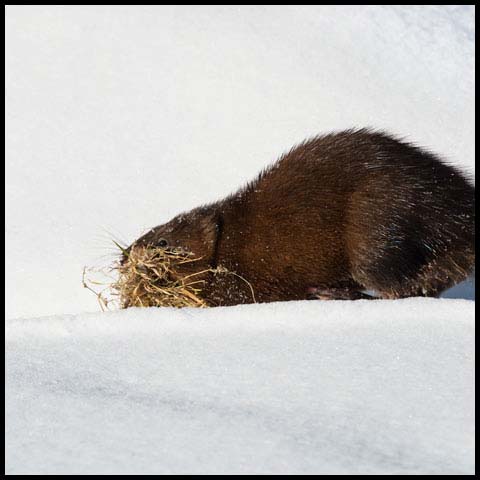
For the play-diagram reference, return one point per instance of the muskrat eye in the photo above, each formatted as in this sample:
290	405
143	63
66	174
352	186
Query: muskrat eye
162	243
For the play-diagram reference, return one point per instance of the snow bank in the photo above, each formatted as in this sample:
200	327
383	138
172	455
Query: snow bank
297	387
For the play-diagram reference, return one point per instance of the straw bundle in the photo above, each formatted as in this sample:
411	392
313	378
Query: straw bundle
149	277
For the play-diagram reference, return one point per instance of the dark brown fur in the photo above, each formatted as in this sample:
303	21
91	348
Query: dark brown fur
356	210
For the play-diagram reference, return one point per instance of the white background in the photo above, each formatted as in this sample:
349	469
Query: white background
118	118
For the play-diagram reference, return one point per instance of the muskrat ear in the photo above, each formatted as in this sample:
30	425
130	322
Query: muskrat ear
210	225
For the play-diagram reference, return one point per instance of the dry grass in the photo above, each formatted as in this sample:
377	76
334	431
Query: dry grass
149	277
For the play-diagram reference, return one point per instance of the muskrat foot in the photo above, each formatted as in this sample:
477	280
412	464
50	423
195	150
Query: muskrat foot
336	294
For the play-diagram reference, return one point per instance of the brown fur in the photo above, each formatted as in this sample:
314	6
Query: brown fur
356	210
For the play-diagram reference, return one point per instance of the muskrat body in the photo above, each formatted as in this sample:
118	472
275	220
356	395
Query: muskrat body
336	215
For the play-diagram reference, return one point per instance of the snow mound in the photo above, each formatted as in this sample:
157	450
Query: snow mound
364	387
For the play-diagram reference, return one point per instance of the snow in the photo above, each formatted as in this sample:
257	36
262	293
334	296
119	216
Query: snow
118	118
296	387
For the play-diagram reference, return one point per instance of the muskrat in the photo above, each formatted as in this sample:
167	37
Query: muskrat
338	215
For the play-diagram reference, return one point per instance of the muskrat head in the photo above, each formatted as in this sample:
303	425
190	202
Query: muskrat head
172	264
194	233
